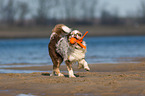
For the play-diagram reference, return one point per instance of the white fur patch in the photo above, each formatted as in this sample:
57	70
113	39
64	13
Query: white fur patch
66	29
60	74
77	53
51	36
71	73
75	32
85	64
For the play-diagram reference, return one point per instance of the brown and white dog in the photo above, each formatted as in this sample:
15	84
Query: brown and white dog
60	49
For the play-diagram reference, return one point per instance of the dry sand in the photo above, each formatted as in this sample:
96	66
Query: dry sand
45	31
103	80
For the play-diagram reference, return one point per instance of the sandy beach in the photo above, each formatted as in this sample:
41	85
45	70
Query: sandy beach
34	35
124	79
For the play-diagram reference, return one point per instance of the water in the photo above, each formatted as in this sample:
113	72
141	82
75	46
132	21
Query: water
109	49
99	50
24	51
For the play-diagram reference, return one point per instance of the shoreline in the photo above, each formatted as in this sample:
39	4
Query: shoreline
123	62
12	32
100	67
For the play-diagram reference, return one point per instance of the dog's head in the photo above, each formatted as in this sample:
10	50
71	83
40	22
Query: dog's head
61	29
76	34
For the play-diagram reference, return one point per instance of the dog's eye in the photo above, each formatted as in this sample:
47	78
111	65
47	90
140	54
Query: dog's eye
79	35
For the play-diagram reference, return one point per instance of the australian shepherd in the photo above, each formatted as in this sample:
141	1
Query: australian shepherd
61	50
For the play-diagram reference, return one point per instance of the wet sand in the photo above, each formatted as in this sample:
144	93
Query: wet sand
124	79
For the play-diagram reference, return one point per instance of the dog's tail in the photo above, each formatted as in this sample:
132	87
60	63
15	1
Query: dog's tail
61	29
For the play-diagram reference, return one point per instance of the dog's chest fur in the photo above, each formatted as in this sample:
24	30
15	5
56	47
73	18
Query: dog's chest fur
69	52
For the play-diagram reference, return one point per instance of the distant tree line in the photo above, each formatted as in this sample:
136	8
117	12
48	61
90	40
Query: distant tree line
15	12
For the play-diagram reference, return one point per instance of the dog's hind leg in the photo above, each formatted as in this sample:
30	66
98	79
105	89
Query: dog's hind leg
70	70
56	65
57	60
56	70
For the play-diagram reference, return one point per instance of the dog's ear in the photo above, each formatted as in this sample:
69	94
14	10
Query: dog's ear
66	29
68	36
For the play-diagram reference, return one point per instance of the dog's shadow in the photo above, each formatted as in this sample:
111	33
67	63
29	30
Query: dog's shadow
67	76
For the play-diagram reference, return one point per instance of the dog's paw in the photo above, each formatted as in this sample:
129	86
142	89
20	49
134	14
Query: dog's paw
87	68
60	74
72	76
52	74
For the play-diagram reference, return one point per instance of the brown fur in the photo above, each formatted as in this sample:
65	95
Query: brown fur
58	29
56	57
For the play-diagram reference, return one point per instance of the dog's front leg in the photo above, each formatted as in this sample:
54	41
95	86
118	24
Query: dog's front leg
84	64
70	70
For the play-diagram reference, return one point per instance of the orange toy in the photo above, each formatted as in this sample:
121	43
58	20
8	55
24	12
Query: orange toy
74	40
